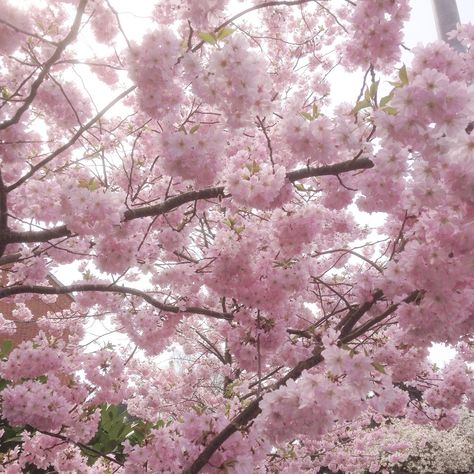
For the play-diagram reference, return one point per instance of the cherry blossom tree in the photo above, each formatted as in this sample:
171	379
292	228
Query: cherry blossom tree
407	447
217	201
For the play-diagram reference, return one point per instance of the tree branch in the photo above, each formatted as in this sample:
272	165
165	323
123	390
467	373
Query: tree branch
354	315
107	288
3	215
412	297
331	170
248	414
9	258
253	410
79	445
280	3
174	202
27	33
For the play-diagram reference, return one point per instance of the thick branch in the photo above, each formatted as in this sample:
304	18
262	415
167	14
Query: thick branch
174	202
47	66
331	170
37	235
354	315
10	258
412	297
3	215
61	290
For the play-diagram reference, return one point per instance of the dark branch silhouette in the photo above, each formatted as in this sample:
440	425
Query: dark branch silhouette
173	203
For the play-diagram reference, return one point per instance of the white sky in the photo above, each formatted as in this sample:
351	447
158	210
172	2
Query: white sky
421	28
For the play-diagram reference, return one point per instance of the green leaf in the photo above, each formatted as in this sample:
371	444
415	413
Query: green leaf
367	95
3	384
299	186
385	100
5	93
229	222
253	168
307	116
15	439
395	84
116	426
119	430
224	33
362	104
238	230
379	367
107	446
90	184
373	89
87	275
142	429
159	424
207	37
403	75
6	348
390	110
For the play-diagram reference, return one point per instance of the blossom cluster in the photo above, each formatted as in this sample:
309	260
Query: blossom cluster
88	211
152	65
46	406
193	156
235	80
256	183
28	361
312	141
200	14
376	33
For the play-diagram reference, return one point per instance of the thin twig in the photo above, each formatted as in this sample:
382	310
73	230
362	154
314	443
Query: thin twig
47	66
